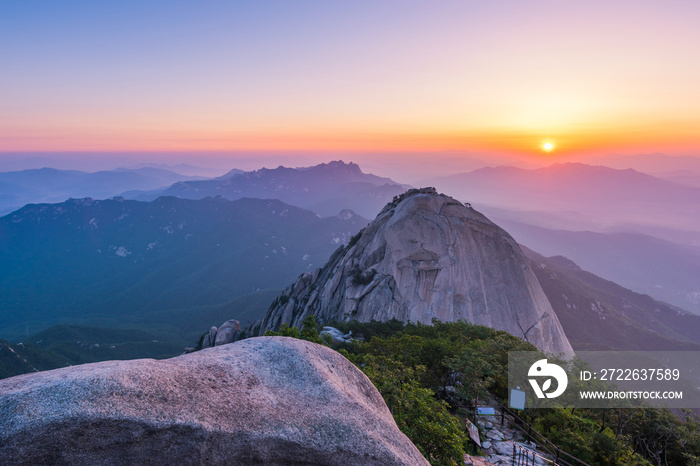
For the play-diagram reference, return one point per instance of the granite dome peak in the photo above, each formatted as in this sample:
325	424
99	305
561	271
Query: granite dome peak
427	256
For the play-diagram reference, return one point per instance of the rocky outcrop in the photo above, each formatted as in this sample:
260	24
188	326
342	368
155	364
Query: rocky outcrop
227	333
267	400
336	335
209	338
427	256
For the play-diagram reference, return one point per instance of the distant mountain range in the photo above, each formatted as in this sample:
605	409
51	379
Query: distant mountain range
686	177
168	264
183	169
662	269
18	188
598	314
651	163
326	188
575	196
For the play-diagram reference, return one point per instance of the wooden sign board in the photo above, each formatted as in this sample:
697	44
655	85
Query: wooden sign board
473	432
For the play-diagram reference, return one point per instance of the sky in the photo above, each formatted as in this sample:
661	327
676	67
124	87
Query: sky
484	80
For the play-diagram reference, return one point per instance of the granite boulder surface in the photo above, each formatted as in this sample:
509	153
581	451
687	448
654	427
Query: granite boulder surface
266	400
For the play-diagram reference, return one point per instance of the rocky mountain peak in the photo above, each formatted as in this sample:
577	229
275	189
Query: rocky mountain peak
427	256
339	167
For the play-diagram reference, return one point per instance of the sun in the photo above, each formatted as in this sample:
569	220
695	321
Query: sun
548	146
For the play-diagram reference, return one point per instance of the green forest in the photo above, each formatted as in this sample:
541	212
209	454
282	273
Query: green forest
431	376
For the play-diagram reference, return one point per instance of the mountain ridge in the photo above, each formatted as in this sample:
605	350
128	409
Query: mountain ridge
643	263
42	185
592	197
325	188
598	314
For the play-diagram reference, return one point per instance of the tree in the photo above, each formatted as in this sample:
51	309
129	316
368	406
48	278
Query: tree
309	332
474	371
424	420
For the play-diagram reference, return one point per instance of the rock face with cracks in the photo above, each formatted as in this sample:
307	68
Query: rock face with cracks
427	256
268	400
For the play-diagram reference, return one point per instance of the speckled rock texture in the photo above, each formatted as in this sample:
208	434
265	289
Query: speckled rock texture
267	400
426	256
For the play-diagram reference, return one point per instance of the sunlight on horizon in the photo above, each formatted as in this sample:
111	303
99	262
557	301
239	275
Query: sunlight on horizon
206	80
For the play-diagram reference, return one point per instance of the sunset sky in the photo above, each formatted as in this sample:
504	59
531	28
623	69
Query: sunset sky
500	77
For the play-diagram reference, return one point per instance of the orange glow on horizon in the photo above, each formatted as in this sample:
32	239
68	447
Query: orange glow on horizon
567	141
411	81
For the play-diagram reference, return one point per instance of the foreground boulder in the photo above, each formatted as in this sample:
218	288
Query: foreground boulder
267	400
427	256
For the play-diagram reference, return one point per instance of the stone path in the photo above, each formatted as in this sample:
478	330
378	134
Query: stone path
497	444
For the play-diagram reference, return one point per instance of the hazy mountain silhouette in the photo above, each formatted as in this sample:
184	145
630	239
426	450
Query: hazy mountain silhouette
51	185
653	163
325	188
664	270
685	177
597	314
182	169
230	174
576	194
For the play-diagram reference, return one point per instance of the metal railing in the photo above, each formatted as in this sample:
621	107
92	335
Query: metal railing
524	457
542	442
